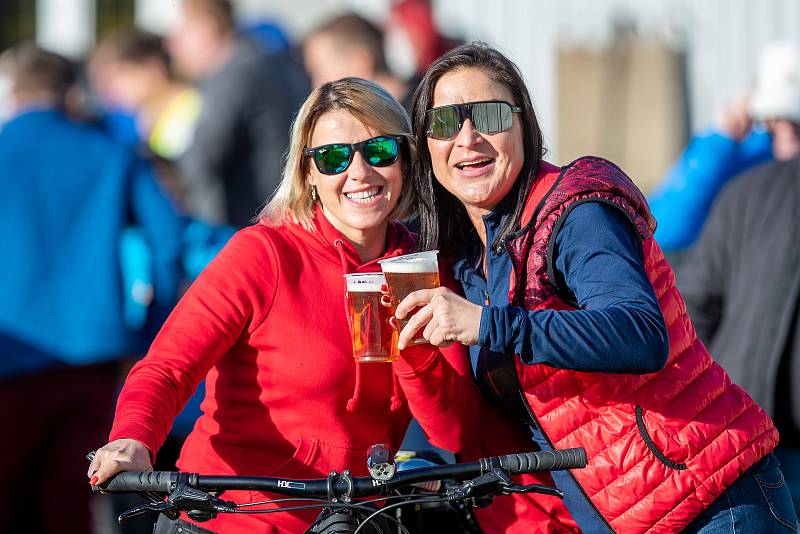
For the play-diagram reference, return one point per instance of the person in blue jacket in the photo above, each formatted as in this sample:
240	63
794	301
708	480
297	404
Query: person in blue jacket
751	129
68	192
683	199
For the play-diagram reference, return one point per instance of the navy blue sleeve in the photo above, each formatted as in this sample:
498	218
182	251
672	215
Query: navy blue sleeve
618	326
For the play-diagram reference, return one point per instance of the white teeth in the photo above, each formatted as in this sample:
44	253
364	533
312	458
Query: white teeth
362	197
469	163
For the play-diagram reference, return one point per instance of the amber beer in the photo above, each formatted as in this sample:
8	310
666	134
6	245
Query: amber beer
374	339
405	274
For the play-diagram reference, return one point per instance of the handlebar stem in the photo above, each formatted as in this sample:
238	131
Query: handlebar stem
340	487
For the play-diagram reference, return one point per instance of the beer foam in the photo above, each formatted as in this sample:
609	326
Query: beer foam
365	282
421	262
362	286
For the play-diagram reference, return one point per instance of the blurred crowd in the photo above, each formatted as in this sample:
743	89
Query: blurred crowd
149	154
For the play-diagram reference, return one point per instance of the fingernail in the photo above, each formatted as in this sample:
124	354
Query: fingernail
93	481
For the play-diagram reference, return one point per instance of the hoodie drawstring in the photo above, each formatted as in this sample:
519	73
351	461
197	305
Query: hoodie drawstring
396	402
352	405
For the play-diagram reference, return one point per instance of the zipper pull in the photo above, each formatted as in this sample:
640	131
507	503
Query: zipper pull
486	297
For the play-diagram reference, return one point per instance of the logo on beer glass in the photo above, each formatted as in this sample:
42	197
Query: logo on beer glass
405	274
374	338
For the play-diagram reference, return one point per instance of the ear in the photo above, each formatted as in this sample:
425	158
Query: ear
310	178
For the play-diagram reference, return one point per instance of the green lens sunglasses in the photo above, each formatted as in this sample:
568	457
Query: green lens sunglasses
334	158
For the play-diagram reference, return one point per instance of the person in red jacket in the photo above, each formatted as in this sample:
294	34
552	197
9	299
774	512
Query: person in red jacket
265	322
573	319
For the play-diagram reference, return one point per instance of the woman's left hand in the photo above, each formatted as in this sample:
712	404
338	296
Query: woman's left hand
443	317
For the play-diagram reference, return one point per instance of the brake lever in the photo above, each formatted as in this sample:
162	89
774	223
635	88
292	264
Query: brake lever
481	490
199	505
533	488
162	507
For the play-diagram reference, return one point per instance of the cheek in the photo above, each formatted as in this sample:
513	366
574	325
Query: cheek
516	163
395	178
516	156
439	156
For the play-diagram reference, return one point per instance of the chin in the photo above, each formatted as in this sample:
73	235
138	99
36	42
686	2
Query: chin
474	198
365	224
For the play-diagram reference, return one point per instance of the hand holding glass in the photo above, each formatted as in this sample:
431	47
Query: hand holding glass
408	273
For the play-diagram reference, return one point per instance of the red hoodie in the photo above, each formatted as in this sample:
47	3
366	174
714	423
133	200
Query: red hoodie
266	322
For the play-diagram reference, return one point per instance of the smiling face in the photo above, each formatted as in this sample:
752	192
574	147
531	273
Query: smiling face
358	200
478	169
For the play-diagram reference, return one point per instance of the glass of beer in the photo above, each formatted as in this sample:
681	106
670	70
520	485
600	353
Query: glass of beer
408	273
374	338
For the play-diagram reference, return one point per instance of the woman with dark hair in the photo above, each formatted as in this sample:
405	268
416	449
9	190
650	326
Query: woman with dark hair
573	320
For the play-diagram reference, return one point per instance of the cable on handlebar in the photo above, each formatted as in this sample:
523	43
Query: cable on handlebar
479	481
360	505
397	505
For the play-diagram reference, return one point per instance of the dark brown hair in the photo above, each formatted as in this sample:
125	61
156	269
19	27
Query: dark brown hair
444	223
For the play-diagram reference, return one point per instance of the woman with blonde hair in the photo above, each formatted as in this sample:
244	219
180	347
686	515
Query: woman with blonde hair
265	323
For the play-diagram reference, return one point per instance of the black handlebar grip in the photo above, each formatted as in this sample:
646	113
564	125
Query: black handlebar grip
129	481
555	460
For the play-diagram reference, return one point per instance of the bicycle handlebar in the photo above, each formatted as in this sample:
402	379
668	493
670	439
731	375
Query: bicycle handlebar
556	460
128	481
165	481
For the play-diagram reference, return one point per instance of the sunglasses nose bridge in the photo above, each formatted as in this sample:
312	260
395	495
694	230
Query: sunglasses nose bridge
359	167
464	114
467	134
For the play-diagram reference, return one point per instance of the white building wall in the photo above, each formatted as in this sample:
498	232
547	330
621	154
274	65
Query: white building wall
65	26
156	16
721	39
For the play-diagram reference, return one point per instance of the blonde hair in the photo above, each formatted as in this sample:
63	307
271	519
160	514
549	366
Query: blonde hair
373	107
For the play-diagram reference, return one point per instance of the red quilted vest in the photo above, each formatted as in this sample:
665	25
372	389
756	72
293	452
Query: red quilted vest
661	446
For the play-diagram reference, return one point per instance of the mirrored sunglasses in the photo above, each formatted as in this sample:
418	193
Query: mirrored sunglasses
488	117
